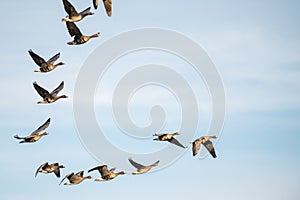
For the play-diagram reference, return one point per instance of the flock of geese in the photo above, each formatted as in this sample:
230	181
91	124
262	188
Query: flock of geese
106	174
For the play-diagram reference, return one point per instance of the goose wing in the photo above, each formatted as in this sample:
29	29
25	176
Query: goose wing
56	169
95	3
36	58
174	141
41	91
58	89
73	30
68	176
209	146
135	164
41	167
41	128
69	8
108	6
53	59
196	147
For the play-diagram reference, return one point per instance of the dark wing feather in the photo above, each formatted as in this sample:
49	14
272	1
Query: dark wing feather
58	89
73	29
67	176
41	91
135	164
57	172
108	6
196	147
53	59
96	3
41	128
36	58
40	167
209	146
80	174
174	141
69	8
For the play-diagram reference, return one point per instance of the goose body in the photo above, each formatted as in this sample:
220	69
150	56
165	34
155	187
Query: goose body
75	178
47	168
141	169
106	174
73	15
35	135
204	140
107	5
47	96
45	66
168	137
79	38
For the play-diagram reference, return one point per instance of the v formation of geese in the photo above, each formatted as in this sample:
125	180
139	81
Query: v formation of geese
44	66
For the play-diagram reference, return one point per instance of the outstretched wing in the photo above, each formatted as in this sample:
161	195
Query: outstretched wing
174	141
58	89
108	6
95	3
69	8
53	59
40	167
67	176
41	91
135	164
36	58
73	29
196	147
41	128
209	146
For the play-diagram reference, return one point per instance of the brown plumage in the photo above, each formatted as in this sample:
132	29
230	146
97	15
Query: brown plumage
35	135
106	174
75	178
74	16
49	97
46	169
45	66
79	38
141	169
168	137
107	5
204	140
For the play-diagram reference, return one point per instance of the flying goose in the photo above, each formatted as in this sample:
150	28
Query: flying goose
49	97
79	38
168	137
106	175
46	169
74	16
75	178
107	4
204	140
141	169
45	66
35	135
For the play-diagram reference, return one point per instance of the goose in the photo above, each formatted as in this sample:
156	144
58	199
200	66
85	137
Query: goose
141	169
45	66
79	38
107	5
75	178
168	137
35	135
106	175
74	16
49	97
46	169
204	140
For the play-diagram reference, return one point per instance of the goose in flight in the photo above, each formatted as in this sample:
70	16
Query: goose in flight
168	137
45	66
106	174
49	97
79	38
35	135
46	169
75	178
141	169
204	140
107	5
74	16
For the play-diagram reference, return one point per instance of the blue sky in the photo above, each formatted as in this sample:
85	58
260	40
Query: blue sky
255	46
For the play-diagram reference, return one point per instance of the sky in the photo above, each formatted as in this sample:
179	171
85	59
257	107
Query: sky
255	47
